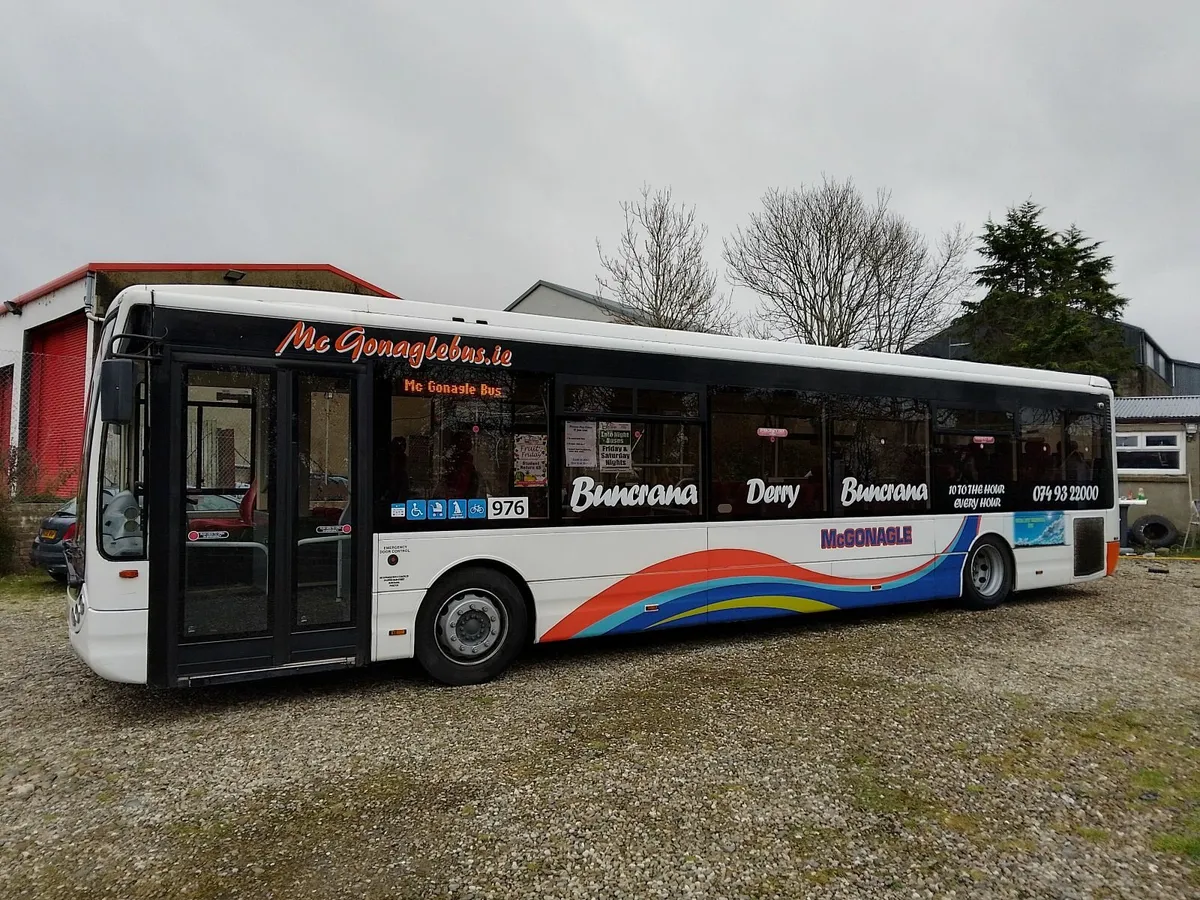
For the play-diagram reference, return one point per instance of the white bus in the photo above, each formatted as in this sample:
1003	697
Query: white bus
280	481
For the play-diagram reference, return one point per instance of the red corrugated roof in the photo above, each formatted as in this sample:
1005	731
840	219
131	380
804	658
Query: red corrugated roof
75	274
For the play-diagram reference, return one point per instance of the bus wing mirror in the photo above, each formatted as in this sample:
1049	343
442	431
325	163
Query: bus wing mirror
118	390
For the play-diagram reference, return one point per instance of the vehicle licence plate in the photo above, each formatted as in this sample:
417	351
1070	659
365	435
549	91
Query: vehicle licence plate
49	534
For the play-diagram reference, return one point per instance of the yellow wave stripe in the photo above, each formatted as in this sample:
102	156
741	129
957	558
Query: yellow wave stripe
794	604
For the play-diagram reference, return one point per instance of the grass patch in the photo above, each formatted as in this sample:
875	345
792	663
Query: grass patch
1185	845
1016	845
35	591
963	823
280	843
1154	763
1183	839
823	876
1149	780
873	792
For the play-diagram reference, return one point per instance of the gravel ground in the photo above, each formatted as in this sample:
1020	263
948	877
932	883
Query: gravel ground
1047	749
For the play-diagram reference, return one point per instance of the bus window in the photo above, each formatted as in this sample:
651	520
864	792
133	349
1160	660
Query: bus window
974	460
630	469
122	483
456	434
1086	439
767	454
596	398
1041	458
879	455
324	557
227	558
628	466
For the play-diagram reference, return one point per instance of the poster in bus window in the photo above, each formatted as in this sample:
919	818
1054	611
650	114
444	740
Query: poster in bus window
579	440
529	460
615	443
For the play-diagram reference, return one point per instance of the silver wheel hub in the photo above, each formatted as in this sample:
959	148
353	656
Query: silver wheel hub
987	571
471	626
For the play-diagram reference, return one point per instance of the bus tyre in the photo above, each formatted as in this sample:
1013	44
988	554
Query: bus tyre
987	575
471	627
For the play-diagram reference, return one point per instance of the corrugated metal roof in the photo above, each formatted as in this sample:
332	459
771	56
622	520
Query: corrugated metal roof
1168	407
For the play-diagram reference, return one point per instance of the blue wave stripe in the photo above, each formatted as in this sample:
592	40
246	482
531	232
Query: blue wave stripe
942	581
940	578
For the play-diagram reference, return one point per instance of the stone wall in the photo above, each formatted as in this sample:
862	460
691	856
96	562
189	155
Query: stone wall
27	517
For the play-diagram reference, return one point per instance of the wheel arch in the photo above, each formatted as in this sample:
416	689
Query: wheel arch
499	565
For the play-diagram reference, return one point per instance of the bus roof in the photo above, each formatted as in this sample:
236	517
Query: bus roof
385	313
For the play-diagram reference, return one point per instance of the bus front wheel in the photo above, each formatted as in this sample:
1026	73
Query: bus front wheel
987	575
471	627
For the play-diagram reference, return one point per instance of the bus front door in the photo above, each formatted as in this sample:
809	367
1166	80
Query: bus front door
264	543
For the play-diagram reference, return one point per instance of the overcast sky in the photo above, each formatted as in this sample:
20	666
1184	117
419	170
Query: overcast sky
459	151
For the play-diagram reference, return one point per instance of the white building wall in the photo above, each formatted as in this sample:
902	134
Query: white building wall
545	301
55	305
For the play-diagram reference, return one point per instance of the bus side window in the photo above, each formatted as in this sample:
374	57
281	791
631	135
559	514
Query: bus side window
1041	445
879	442
768	457
456	434
1085	448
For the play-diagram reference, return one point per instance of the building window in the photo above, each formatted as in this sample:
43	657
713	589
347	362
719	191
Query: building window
1151	453
768	458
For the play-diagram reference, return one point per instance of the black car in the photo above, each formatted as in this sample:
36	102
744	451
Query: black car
47	550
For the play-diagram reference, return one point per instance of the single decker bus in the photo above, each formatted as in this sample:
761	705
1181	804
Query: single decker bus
280	481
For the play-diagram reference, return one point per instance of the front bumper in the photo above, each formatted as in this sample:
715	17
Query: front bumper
113	644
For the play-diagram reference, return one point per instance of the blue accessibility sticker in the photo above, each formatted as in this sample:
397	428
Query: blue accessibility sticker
416	510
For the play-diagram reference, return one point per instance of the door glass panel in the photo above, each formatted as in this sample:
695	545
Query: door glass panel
324	534
230	447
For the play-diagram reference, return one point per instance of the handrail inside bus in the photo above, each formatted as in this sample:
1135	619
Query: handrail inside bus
266	552
241	545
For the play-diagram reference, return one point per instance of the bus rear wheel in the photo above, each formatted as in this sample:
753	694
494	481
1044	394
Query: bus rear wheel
988	574
471	627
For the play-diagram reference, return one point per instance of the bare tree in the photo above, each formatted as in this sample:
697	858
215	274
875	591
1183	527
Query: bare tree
833	270
658	273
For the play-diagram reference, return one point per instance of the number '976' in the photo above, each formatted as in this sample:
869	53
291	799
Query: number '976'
508	507
1066	493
